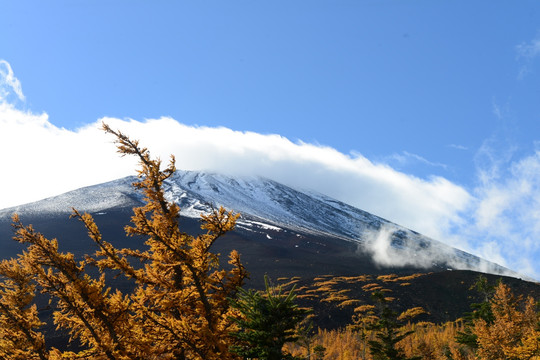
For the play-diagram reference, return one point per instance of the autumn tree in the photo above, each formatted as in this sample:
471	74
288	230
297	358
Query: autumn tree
514	333
178	308
19	337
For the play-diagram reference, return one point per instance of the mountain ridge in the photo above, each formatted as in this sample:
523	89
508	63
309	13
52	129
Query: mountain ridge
266	203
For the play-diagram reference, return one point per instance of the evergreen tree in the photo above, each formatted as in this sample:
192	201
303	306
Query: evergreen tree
319	351
267	321
388	332
481	310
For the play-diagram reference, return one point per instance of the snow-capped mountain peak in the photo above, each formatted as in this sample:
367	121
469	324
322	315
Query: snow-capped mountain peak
269	205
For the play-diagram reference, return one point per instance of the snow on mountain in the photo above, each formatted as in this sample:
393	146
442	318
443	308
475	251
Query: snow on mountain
117	193
267	201
268	205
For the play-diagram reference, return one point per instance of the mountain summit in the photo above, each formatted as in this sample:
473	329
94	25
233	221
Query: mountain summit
281	222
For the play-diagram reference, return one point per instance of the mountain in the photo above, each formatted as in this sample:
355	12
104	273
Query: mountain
323	245
306	227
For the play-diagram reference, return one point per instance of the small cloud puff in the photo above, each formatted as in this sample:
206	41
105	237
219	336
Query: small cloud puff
526	53
529	50
458	147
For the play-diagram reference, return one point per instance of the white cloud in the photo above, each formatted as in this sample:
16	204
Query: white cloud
458	147
414	253
529	50
9	84
493	158
41	160
47	160
44	160
504	217
526	52
405	158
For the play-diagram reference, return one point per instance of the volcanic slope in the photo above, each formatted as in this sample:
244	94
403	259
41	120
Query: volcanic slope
282	231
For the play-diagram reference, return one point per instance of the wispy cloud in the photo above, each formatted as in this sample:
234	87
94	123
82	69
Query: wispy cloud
503	217
493	158
406	158
9	84
414	252
529	50
458	147
526	53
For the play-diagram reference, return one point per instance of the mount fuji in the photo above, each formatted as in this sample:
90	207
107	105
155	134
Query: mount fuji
281	229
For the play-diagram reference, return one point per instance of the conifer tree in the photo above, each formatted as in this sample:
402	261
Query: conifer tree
267	321
178	309
388	331
480	310
19	338
318	351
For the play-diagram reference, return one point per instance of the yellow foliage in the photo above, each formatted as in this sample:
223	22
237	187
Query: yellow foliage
364	308
411	277
326	283
288	284
429	341
323	289
372	287
434	342
514	333
322	277
335	298
354	279
411	313
179	305
349	302
387	278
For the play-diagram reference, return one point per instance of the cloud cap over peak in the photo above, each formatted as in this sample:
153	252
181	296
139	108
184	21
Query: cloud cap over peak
86	156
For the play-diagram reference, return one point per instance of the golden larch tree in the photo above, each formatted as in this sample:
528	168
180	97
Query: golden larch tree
178	308
514	333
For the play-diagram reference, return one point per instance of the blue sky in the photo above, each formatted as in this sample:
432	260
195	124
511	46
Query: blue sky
434	102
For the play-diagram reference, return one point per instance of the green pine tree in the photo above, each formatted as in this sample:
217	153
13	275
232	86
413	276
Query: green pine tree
267	321
387	333
481	310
